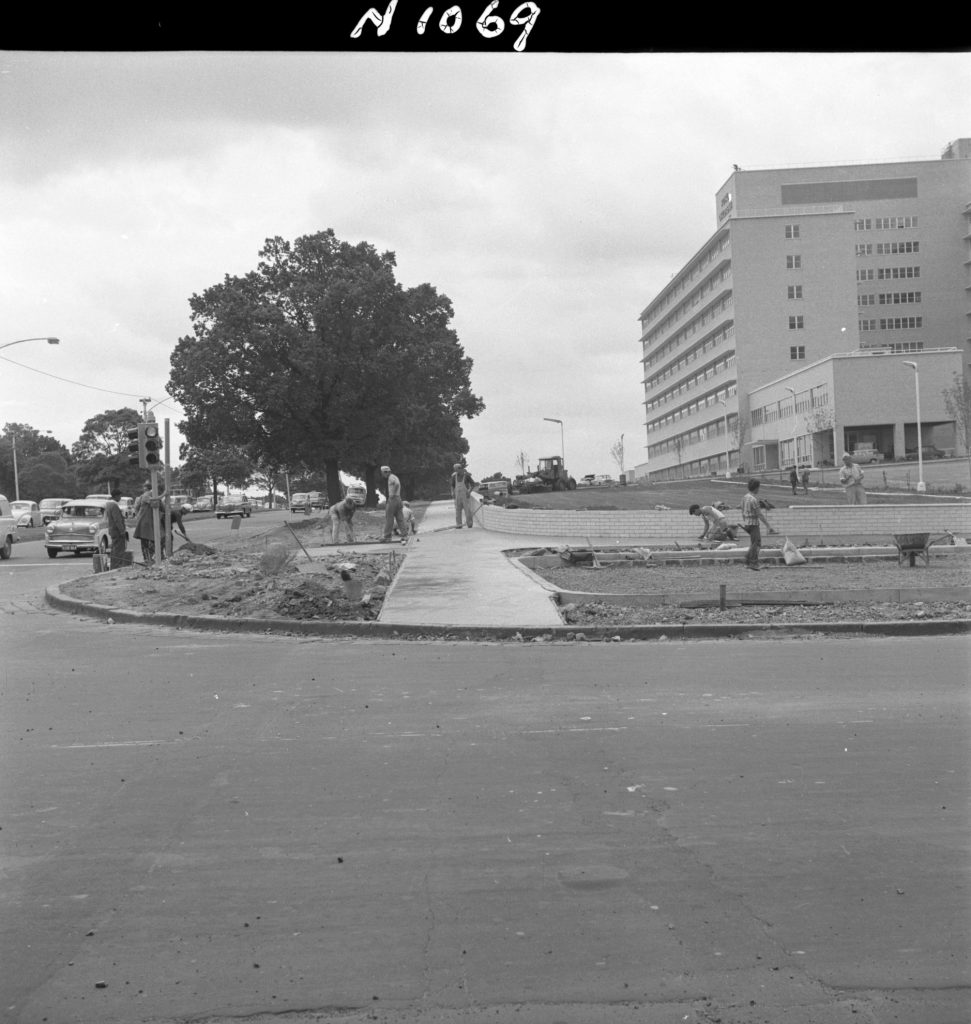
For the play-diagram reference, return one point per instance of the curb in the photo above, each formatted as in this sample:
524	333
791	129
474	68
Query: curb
389	631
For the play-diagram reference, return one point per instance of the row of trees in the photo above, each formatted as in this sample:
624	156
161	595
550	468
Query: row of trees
318	361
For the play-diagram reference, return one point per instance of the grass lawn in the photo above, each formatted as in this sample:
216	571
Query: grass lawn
683	493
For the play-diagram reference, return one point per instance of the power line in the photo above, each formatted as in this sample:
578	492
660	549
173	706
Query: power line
76	383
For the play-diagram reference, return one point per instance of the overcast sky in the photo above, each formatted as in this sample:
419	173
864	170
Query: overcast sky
550	196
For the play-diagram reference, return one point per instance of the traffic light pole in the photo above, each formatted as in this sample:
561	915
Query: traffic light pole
168	496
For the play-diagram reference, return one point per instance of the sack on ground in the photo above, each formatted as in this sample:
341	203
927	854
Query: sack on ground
791	555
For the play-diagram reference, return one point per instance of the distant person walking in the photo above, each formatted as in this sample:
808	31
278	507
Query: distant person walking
117	532
752	515
805	481
462	484
393	513
794	478
851	477
342	513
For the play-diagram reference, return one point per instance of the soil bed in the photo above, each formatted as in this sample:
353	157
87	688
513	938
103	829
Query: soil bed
796	583
265	576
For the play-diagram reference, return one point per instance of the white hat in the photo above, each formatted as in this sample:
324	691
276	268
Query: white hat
385	469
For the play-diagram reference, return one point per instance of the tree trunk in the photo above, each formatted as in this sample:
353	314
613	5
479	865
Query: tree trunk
332	469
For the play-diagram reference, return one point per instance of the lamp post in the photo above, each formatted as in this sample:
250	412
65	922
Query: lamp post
549	419
921	486
728	466
16	477
795	455
20	341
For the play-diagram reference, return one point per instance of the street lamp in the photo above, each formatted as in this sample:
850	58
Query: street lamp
921	486
728	450
20	341
549	419
795	456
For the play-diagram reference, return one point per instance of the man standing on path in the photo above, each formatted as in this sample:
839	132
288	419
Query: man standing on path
751	514
462	484
117	533
393	510
851	477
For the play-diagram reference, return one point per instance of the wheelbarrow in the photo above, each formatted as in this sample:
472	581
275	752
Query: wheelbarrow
910	545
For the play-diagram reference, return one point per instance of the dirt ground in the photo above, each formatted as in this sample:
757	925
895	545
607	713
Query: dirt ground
264	576
701	583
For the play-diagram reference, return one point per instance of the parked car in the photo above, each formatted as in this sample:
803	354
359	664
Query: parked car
928	451
300	502
76	529
202	505
586	480
181	501
27	513
867	454
357	493
234	507
318	500
8	529
50	508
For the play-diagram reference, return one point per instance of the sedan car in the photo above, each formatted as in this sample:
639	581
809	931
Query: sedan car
234	507
76	529
50	508
927	451
27	513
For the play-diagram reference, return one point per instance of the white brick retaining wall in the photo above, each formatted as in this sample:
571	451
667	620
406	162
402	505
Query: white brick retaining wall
829	522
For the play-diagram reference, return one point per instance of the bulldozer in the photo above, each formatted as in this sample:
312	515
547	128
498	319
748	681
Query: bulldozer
549	475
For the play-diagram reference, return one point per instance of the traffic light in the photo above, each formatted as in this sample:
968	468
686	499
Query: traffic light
150	445
134	446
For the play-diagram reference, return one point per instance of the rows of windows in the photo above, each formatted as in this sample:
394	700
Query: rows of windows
887	248
686	282
679	442
714	465
886	273
893	323
887	298
690	408
805	402
719	366
715	281
676	340
884	223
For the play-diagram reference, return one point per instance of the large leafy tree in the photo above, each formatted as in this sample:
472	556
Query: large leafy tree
320	359
204	469
101	452
29	443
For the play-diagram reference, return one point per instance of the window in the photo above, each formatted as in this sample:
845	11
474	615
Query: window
864	250
861	225
896	248
889	223
793	262
796	323
797	352
866	300
795	291
865	275
892	298
901	323
895	273
868	325
792	231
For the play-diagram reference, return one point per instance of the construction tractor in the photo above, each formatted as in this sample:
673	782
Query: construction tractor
549	475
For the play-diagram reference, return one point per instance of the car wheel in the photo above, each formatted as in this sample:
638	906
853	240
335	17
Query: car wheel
6	548
104	546
52	552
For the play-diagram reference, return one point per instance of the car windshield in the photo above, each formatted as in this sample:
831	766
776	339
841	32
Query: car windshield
83	511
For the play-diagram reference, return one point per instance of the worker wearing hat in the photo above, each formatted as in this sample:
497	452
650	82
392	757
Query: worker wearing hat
393	509
462	484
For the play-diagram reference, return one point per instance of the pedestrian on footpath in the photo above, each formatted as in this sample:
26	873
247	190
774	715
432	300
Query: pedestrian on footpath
805	481
117	532
393	509
851	477
462	484
752	514
342	513
794	479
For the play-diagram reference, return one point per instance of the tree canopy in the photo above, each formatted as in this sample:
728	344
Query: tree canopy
33	446
101	452
320	360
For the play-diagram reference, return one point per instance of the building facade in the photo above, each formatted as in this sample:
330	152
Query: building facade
807	269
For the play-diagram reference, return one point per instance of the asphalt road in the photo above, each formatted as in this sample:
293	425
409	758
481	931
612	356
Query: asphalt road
216	827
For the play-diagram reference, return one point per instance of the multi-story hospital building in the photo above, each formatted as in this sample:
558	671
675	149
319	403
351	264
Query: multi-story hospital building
786	338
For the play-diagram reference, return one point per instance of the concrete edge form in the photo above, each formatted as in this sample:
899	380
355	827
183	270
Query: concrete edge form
389	631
